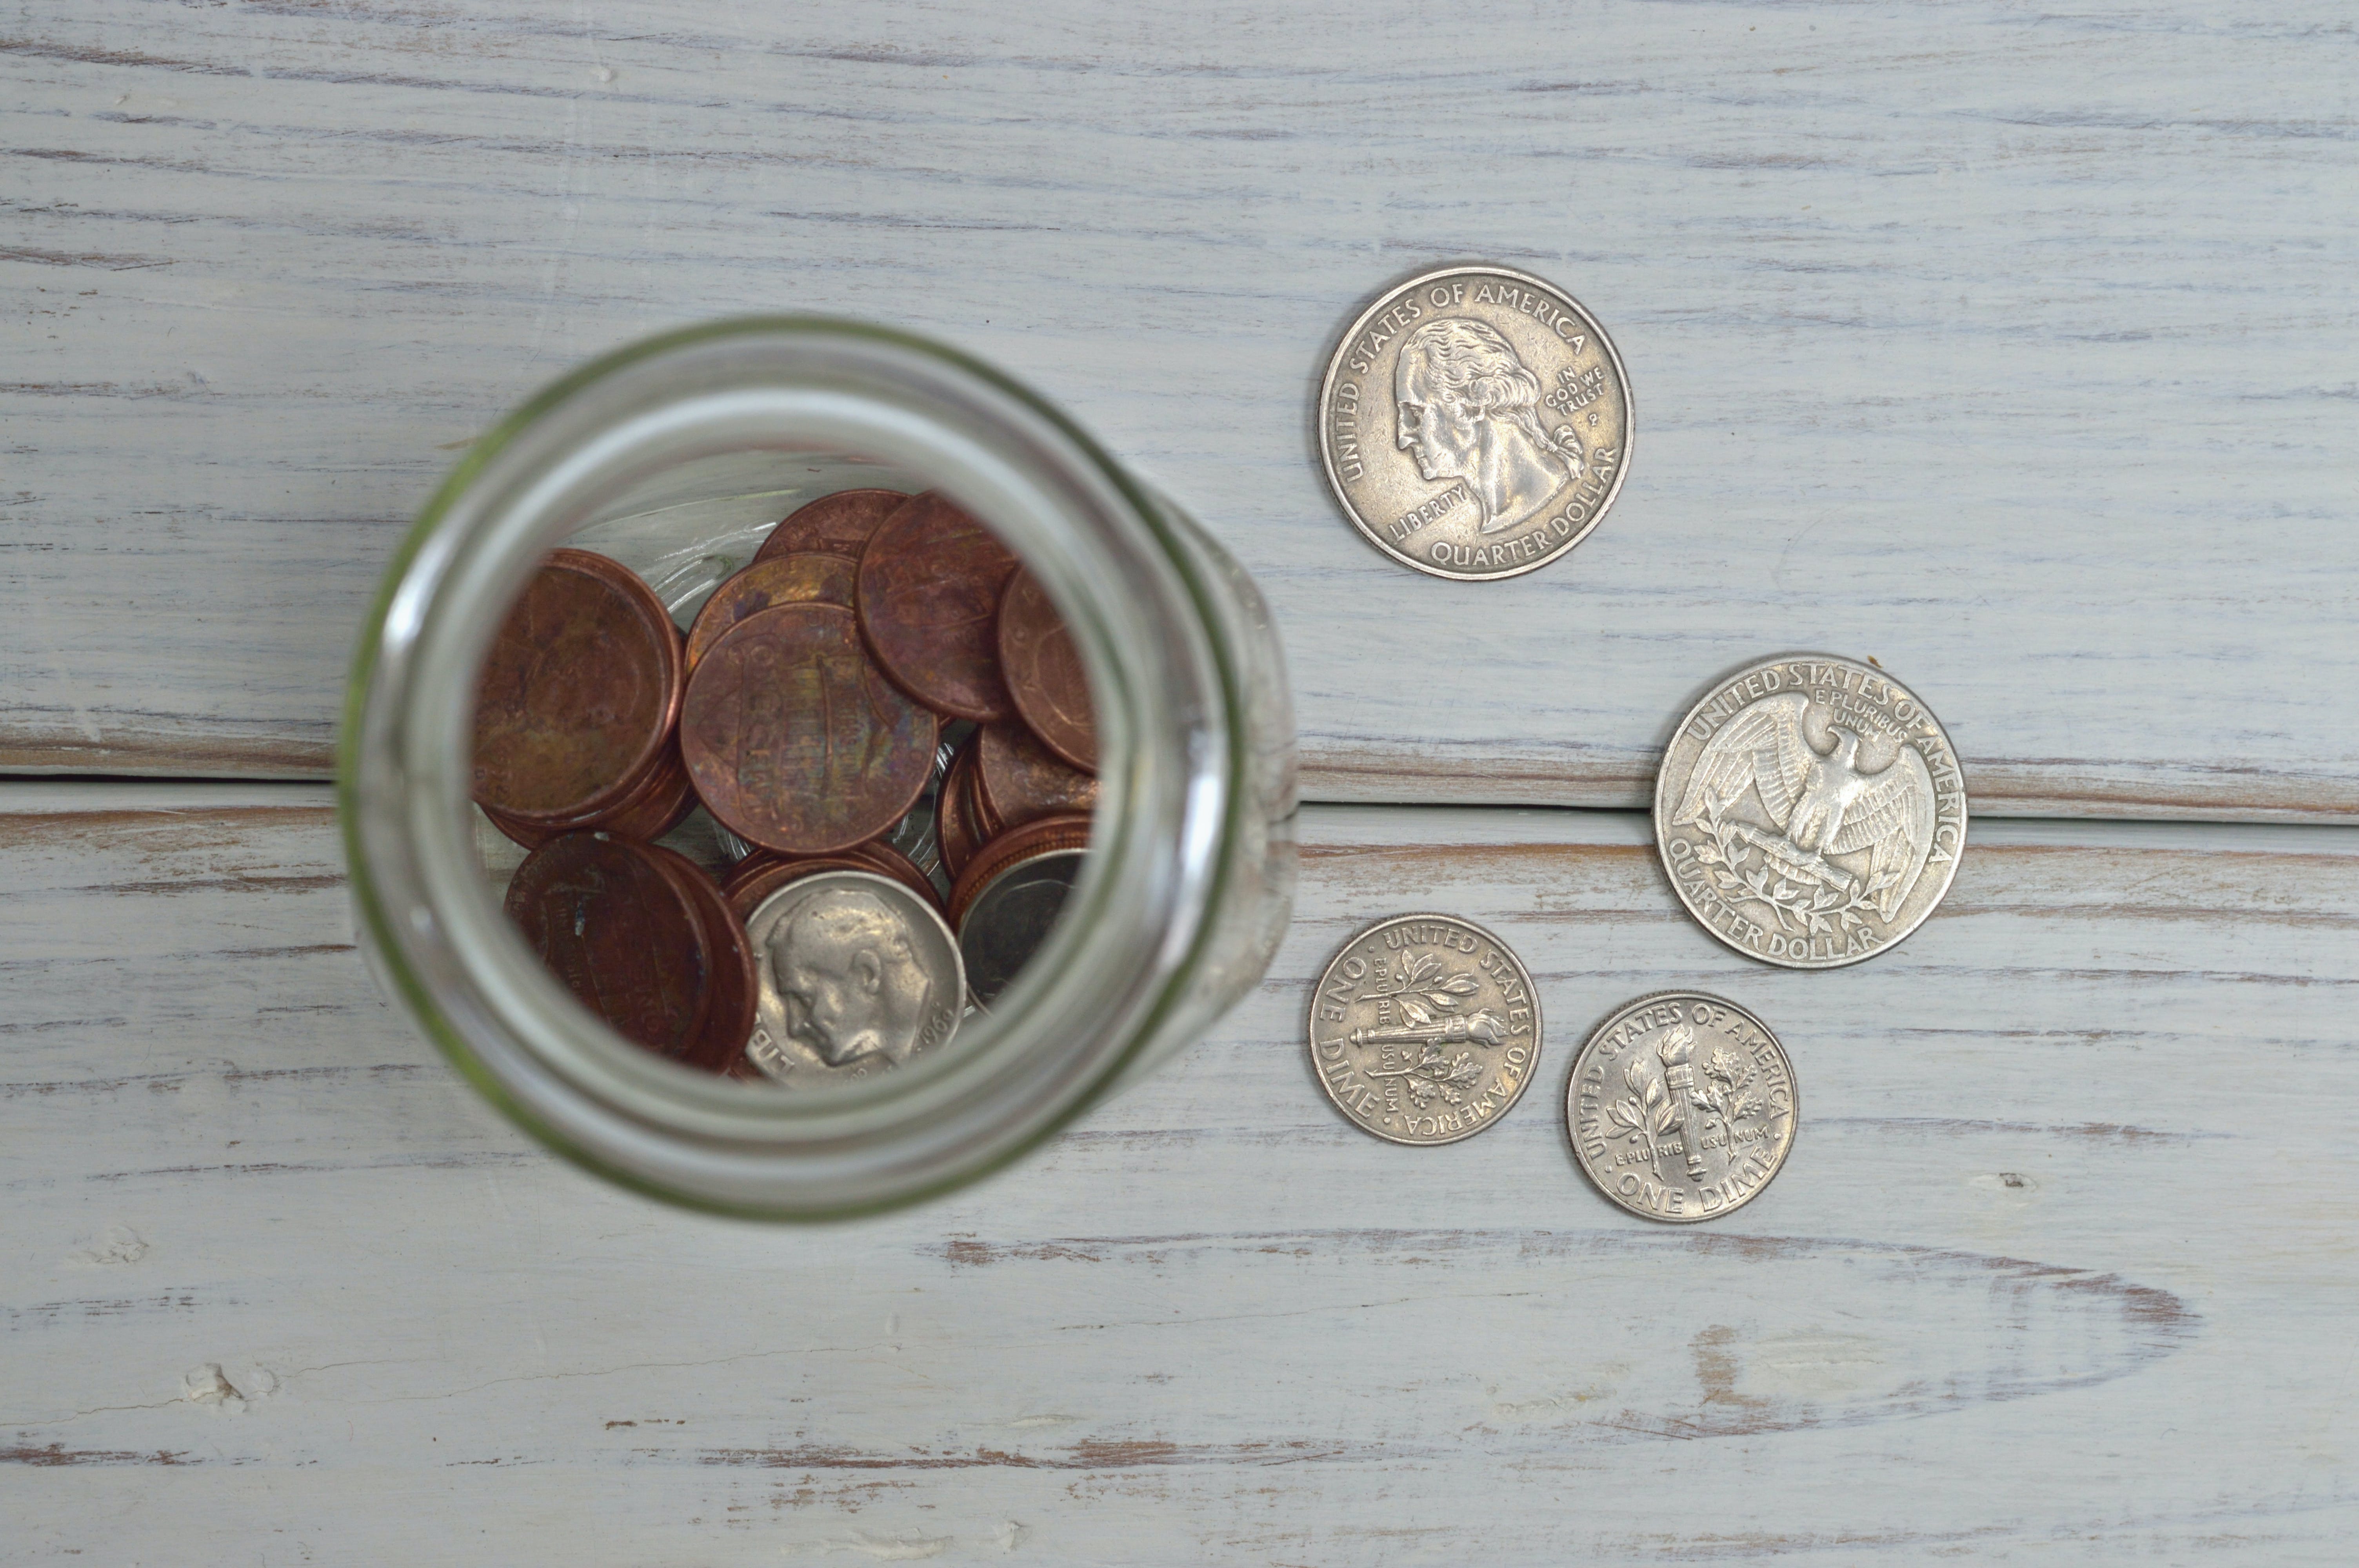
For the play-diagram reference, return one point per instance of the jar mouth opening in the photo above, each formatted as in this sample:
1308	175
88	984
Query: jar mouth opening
700	420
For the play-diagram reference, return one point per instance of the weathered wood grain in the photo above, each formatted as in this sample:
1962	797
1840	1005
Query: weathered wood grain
2061	1269
2010	347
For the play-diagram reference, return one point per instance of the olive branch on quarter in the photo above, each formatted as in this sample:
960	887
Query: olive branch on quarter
1803	911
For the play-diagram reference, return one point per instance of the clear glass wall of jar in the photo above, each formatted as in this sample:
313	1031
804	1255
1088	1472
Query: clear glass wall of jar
675	456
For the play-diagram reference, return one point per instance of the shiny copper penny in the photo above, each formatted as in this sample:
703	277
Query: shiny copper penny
578	695
794	739
659	802
1050	835
736	983
1043	674
1021	781
764	874
839	523
929	586
614	925
873	856
806	576
959	833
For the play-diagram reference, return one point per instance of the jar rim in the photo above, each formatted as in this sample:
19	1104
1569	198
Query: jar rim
1101	543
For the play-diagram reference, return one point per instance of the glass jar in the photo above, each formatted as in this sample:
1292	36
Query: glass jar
676	456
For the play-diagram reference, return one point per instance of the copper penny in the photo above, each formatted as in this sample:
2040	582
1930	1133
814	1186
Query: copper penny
795	742
806	576
929	586
736	983
763	875
875	855
1043	674
839	523
1021	781
623	936
660	802
578	694
958	831
1050	835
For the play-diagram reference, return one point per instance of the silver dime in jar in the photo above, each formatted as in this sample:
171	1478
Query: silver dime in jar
1810	811
1682	1107
1424	1029
858	977
1476	423
1011	918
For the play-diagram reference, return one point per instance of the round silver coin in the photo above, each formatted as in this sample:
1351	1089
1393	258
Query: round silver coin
1424	1029
1810	811
858	977
1682	1107
1476	423
1012	916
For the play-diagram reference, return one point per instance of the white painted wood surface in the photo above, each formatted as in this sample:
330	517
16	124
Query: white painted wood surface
2060	1271
2010	346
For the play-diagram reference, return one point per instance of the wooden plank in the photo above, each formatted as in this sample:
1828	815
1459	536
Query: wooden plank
2059	1269
2011	350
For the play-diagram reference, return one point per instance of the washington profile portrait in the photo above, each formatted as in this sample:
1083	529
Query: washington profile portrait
1468	409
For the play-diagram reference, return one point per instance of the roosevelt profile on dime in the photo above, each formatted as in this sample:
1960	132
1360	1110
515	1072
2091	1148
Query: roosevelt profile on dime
1474	423
1810	811
845	964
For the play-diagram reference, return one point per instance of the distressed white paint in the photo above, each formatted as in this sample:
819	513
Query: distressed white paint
2060	1270
2010	346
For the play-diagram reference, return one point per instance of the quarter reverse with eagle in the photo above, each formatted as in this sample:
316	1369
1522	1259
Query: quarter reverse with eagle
1810	811
1476	423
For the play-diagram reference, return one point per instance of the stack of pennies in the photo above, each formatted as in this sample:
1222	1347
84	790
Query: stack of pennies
890	729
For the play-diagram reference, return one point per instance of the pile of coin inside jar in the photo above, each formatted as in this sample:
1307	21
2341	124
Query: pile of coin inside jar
889	727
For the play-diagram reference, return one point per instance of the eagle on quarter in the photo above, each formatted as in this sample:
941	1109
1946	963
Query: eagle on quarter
1821	802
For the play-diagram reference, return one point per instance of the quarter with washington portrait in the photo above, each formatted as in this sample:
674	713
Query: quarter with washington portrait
1476	423
1424	1029
1810	811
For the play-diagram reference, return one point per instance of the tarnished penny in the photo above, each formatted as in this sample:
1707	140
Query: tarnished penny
874	855
578	694
794	739
1424	1029
930	585
1810	811
659	802
1476	423
859	976
1040	837
1018	780
1043	674
719	1042
839	524
805	576
1009	919
763	873
610	923
1682	1107
961	834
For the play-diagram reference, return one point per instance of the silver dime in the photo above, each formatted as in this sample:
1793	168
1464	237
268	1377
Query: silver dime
1012	916
858	977
1476	423
1425	1029
1810	811
1682	1107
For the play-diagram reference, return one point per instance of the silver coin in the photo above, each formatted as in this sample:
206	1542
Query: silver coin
858	977
1424	1029
1476	423
1810	811
1682	1107
1011	918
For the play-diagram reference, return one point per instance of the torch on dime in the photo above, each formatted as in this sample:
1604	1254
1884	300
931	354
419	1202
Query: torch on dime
1425	1029
1681	1107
